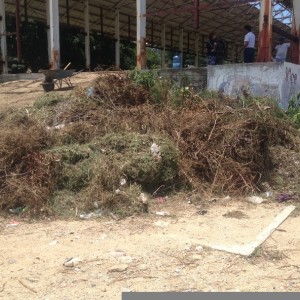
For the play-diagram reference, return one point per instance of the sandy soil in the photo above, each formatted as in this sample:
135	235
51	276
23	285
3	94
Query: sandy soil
145	253
25	92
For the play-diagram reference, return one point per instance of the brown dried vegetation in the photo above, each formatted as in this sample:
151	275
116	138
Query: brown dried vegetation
209	144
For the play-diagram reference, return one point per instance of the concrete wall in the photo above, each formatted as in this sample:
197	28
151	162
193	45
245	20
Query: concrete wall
15	77
280	81
197	77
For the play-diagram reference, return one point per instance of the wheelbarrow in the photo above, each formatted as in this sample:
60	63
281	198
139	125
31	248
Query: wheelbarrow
56	77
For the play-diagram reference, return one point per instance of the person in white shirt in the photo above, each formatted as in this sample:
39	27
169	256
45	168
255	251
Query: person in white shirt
281	50
249	45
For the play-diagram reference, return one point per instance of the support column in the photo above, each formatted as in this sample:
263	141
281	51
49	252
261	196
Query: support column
117	39
197	49
163	43
196	7
295	47
87	34
54	34
265	31
48	29
3	57
181	47
18	30
141	34
26	11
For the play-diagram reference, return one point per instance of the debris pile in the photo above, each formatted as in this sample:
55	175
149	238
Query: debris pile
115	144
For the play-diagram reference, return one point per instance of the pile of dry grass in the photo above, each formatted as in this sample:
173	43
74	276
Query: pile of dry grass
210	144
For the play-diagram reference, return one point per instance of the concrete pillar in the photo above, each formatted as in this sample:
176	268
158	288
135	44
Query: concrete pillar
141	34
117	39
163	43
295	47
181	47
197	49
87	34
3	38
54	34
48	29
18	30
265	31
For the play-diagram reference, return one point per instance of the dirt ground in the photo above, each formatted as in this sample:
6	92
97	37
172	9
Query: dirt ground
25	92
144	253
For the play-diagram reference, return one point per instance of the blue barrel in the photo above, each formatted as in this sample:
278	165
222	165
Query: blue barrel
176	62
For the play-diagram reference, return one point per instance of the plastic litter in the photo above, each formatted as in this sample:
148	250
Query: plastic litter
72	262
95	214
143	198
284	197
123	181
155	150
255	199
90	92
162	213
16	210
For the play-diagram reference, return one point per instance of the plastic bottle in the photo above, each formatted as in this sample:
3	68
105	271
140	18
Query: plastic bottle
176	62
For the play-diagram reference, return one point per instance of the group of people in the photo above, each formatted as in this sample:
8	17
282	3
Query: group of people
213	48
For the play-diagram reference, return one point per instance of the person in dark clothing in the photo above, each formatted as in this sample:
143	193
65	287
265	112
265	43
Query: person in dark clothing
249	45
211	46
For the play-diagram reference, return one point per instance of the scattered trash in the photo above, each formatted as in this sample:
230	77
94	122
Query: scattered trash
160	199
122	181
227	198
126	259
12	223
118	253
103	237
155	150
202	212
269	194
114	216
95	214
255	199
284	197
118	269
90	92
53	243
199	248
162	213
177	270
143	198
126	290
117	191
56	127
17	210
72	262
161	224
96	205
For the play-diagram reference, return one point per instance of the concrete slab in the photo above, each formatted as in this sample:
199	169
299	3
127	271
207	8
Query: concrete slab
260	239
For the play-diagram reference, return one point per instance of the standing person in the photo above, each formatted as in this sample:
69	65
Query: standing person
211	46
249	44
281	50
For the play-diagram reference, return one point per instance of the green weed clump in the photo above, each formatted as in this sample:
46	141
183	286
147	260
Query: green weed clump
293	111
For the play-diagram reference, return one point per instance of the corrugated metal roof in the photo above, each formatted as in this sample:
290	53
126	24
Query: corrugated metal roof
225	17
